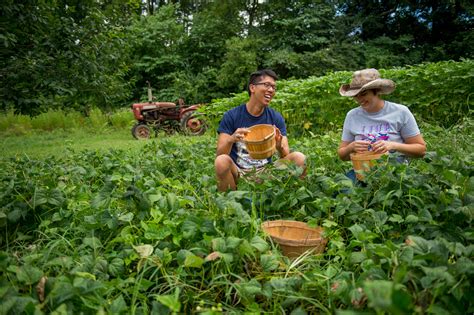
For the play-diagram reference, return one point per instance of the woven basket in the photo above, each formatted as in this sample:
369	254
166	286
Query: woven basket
363	162
260	141
294	237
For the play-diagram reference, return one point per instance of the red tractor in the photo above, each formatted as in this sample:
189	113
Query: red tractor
167	116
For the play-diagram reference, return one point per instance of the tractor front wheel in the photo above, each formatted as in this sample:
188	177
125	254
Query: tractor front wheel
193	124
141	131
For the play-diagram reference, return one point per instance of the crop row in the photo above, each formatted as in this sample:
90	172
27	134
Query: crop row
127	232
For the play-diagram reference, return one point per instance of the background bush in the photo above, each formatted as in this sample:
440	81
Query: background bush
440	92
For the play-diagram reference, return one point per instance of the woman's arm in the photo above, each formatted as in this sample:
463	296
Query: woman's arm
413	146
348	147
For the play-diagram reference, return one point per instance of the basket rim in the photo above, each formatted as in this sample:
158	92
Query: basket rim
308	242
272	134
364	156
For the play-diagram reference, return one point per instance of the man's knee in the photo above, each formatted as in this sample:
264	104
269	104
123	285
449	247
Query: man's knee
297	157
223	164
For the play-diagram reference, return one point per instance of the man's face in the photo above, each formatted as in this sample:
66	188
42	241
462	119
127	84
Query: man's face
264	90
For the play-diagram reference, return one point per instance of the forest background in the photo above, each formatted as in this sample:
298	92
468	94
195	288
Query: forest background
80	55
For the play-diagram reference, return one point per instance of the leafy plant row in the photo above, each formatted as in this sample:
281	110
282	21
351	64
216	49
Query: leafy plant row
440	93
123	232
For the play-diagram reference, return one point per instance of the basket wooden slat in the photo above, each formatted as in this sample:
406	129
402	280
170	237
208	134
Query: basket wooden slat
260	141
294	237
363	162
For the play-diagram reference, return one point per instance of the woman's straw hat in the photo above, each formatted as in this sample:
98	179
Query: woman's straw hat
367	79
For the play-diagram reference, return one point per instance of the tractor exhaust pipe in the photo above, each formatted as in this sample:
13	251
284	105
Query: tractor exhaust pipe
150	95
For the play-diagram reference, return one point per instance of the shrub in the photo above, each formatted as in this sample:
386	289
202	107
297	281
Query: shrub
435	92
121	119
15	123
51	120
96	119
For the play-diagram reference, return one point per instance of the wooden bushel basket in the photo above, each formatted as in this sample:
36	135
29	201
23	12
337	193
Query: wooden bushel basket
363	162
295	238
260	141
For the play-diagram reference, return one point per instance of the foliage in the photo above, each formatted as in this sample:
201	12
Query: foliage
62	55
426	30
155	48
96	119
120	232
435	92
80	55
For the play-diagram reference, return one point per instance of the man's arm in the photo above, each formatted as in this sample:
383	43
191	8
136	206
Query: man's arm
225	141
224	144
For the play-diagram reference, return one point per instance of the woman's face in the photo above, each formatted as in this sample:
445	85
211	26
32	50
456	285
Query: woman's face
369	101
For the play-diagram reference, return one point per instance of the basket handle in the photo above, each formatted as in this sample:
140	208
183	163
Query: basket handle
268	136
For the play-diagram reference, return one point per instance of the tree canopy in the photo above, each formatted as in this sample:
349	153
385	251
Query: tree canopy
83	54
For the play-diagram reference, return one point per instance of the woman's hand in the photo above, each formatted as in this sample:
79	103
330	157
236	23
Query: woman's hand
360	146
383	146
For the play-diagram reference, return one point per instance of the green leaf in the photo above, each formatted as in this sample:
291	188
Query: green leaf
219	245
396	218
127	217
156	232
411	219
259	243
170	301
118	305
116	267
269	262
189	229
357	257
28	274
85	275
193	261
92	242
233	242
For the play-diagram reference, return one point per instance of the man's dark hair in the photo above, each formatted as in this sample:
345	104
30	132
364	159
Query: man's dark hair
257	76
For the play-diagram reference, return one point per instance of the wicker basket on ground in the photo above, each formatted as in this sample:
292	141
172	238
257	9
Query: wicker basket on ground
295	238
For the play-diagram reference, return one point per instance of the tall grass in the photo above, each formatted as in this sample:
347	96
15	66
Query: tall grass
121	119
13	124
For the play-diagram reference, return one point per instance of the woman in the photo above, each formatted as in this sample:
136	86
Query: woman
378	125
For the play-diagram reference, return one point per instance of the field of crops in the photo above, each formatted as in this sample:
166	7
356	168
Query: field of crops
138	232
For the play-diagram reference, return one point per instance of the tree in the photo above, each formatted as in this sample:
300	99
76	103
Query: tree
419	29
63	54
156	51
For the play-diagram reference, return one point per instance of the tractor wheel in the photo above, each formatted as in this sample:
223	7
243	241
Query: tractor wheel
141	131
193	124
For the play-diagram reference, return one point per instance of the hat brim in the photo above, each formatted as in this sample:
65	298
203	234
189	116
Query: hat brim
384	86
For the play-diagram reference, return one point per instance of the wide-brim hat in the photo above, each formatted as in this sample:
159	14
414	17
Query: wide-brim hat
367	79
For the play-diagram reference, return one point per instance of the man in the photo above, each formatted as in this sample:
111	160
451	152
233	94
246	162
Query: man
232	159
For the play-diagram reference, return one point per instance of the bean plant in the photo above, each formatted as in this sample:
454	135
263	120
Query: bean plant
118	232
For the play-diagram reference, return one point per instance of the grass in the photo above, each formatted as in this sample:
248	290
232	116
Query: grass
42	144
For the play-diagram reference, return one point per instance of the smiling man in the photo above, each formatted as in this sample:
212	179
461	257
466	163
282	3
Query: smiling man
232	158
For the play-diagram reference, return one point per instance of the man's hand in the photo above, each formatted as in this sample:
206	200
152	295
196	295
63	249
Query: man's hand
239	134
278	138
